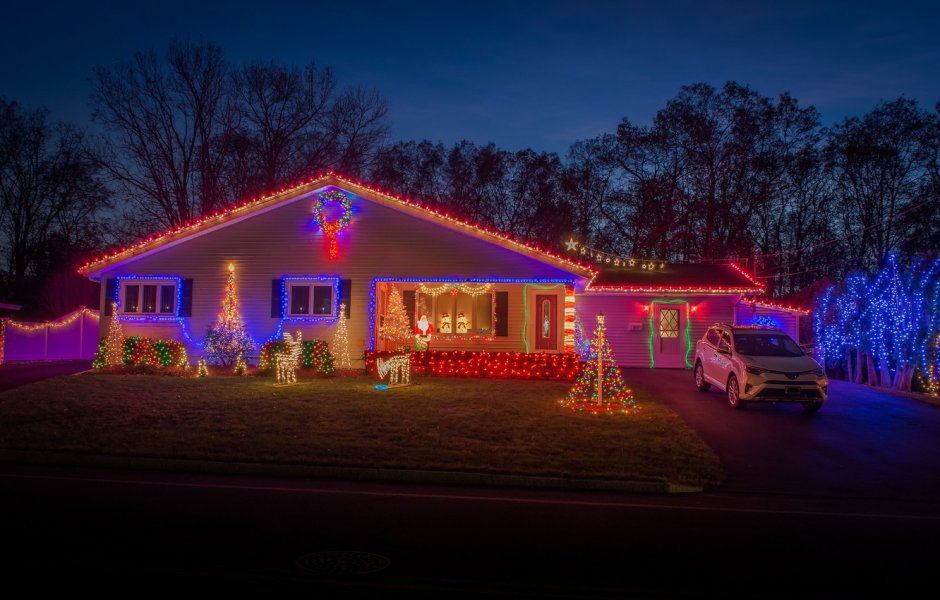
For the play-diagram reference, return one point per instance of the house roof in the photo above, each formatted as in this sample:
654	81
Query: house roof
246	209
658	277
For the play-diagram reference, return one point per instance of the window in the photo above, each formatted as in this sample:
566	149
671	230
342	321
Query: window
155	297
457	314
669	323
308	299
712	337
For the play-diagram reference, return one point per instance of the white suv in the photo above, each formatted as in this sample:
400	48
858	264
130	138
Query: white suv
758	364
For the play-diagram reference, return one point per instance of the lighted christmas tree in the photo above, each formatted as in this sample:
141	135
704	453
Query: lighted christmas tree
114	344
396	329
228	338
341	340
600	387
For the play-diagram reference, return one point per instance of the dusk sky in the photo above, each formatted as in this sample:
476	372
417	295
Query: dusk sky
520	74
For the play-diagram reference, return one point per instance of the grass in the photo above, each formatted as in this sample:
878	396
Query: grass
493	426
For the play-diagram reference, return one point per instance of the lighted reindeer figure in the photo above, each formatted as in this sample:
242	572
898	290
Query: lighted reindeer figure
398	369
285	363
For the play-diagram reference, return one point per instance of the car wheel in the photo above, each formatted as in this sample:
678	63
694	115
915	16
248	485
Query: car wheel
699	374
734	398
812	407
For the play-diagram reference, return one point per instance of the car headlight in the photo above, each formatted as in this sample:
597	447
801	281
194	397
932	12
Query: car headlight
756	370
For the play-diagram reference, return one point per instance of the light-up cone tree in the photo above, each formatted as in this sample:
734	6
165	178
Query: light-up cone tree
600	388
111	349
396	329
341	340
228	338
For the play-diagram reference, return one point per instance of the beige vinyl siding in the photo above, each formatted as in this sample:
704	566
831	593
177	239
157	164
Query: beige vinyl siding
284	242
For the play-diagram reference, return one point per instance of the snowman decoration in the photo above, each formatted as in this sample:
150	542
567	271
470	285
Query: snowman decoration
445	326
461	323
423	331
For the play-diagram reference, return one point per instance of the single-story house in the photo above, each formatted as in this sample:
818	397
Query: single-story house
304	252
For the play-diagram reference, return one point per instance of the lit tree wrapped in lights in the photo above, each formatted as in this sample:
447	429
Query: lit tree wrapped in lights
111	350
889	324
600	387
341	340
396	329
228	338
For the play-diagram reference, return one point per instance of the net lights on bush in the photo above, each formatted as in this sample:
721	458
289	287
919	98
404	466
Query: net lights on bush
600	388
332	228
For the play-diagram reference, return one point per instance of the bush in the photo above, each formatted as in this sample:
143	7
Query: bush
140	351
315	354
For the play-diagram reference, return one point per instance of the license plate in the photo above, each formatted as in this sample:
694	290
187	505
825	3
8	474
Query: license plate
793	390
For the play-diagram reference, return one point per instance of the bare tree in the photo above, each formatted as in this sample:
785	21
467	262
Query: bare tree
51	198
169	123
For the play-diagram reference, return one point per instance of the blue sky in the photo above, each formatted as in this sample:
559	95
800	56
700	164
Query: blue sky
520	74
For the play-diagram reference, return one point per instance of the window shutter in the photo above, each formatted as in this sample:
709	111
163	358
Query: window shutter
110	286
409	299
501	328
277	295
186	299
345	291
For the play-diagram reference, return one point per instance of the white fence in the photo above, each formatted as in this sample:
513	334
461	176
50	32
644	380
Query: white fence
71	336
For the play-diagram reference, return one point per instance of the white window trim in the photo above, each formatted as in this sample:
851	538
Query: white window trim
140	282
310	284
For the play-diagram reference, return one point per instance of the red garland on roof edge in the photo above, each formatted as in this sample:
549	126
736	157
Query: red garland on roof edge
248	203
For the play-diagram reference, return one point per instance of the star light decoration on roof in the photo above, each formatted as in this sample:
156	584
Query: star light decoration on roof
612	260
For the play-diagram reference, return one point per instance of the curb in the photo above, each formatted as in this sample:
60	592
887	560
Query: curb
376	474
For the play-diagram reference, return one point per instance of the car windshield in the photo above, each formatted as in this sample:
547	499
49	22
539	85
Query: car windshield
766	344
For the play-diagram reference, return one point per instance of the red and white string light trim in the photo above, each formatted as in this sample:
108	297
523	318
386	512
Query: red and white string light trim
172	234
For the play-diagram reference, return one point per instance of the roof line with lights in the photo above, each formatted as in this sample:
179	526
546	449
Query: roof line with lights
246	208
674	289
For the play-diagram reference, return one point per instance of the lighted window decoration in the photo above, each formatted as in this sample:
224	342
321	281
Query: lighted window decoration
375	307
148	297
309	299
332	228
457	311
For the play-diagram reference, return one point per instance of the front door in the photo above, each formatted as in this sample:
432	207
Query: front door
668	337
546	328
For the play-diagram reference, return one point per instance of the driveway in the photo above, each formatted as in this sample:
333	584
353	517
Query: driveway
862	443
13	375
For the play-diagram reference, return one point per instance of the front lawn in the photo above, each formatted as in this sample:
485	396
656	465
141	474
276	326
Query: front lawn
493	426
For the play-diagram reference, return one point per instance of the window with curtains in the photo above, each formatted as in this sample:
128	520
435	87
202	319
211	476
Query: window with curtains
457	314
157	297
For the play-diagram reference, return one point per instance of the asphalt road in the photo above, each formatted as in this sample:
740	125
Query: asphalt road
13	375
861	444
124	533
